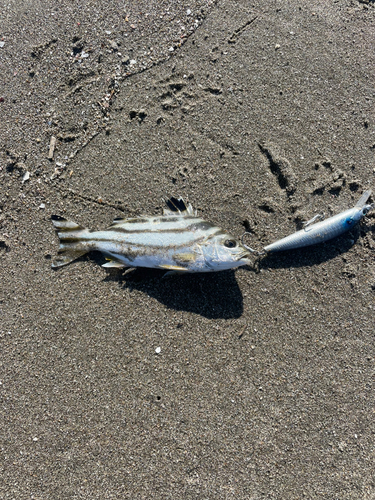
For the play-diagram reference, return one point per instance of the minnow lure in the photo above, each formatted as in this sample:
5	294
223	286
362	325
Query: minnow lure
312	234
178	241
325	230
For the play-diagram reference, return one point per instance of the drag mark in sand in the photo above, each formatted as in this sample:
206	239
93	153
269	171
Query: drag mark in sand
238	31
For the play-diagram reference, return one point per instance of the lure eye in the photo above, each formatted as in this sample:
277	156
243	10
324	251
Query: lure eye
230	243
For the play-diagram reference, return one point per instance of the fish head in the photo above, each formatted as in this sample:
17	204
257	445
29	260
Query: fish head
222	251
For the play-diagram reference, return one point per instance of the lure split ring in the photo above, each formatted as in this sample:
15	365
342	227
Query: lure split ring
256	252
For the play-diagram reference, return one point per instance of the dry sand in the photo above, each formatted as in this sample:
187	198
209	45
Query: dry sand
262	115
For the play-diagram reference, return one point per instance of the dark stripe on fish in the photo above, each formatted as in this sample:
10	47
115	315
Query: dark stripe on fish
142	246
68	229
70	239
172	219
139	220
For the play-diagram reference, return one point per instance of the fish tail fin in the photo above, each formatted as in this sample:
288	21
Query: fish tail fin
363	199
70	235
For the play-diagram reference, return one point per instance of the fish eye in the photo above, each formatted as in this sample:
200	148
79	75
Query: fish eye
230	243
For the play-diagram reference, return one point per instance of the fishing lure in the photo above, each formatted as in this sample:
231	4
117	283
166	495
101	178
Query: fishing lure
319	232
178	241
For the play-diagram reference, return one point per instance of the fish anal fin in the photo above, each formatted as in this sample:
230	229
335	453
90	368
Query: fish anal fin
115	263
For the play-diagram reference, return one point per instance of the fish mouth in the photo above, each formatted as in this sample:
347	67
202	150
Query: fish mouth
245	256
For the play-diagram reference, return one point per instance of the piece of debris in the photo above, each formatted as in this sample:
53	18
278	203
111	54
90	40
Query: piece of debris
113	45
242	331
59	168
158	350
42	206
26	177
52	145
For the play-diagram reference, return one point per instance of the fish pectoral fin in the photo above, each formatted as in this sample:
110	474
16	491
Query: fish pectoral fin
184	258
170	267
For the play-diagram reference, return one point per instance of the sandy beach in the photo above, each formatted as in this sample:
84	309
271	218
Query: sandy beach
249	384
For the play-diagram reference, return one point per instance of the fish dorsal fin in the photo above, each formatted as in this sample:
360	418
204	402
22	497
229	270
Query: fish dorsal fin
177	206
363	199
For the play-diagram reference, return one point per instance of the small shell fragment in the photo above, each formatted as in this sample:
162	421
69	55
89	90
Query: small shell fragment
52	145
26	177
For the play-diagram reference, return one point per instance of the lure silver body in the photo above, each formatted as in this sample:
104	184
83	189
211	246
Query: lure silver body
325	230
177	241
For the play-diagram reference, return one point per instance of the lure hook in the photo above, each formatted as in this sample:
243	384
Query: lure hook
249	248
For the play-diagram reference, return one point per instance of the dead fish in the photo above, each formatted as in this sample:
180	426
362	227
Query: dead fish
177	241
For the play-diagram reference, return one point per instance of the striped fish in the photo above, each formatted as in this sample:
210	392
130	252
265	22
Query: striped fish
178	241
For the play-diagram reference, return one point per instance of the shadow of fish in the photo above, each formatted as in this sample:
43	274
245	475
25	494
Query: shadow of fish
178	241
